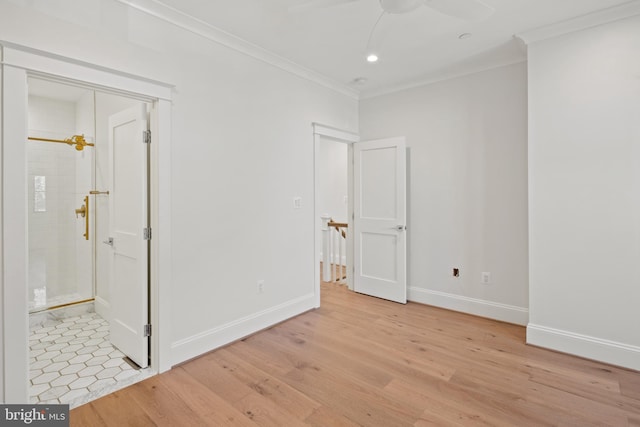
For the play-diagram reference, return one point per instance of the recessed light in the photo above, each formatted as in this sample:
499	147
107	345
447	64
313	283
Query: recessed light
372	57
464	36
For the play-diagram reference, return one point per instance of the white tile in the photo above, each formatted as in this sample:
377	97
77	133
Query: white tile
53	393
106	382
45	378
114	362
109	372
72	348
126	374
94	342
73	394
65	325
115	354
34	373
90	370
82	382
56	346
39	364
35	390
36	353
79	340
64	357
86	349
100	334
64	380
72	369
54	367
76	327
66	338
49	338
96	360
84	334
102	351
80	359
39	346
48	355
37	336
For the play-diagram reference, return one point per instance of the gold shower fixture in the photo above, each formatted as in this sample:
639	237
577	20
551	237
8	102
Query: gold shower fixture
77	140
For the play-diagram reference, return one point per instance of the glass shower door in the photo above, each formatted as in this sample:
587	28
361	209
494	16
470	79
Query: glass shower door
60	216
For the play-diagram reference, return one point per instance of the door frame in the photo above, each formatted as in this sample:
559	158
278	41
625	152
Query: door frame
18	63
321	131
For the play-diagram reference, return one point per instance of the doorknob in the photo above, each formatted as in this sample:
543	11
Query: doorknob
109	241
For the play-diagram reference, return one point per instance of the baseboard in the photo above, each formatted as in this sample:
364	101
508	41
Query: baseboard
478	307
103	308
614	353
201	343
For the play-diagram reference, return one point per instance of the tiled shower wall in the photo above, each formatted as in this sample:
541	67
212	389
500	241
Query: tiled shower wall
52	221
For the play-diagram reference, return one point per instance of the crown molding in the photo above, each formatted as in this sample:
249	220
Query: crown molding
440	78
583	22
197	26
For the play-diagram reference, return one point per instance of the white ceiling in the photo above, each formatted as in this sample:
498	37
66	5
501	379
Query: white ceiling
416	47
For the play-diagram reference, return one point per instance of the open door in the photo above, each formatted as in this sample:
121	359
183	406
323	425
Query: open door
128	225
379	182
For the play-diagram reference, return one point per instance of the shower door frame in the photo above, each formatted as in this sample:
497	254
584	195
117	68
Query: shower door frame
19	63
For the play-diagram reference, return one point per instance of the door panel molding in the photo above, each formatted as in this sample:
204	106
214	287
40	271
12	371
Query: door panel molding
380	215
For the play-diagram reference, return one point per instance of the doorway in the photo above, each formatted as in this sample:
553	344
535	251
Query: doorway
333	189
376	214
75	352
18	66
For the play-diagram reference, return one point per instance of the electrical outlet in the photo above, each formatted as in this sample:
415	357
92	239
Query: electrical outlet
485	278
297	202
260	286
456	272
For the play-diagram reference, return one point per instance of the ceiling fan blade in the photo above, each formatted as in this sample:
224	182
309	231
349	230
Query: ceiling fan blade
469	10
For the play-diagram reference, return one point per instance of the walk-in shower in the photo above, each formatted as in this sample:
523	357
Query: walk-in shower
60	215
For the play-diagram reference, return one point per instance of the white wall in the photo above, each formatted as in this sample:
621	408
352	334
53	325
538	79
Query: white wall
584	190
332	185
467	204
242	149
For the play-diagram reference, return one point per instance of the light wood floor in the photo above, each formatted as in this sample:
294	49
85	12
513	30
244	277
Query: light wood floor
363	361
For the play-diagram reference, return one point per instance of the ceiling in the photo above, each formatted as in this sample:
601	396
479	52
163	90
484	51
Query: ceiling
420	46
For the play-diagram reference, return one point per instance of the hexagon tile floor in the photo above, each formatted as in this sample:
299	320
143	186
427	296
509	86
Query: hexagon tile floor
73	362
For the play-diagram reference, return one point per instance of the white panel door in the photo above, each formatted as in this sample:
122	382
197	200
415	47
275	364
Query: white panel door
128	207
379	182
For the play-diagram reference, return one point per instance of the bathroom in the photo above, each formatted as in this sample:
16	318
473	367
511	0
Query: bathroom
73	297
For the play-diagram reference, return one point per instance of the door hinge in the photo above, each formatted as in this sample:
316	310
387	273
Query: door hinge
147	330
146	233
146	137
